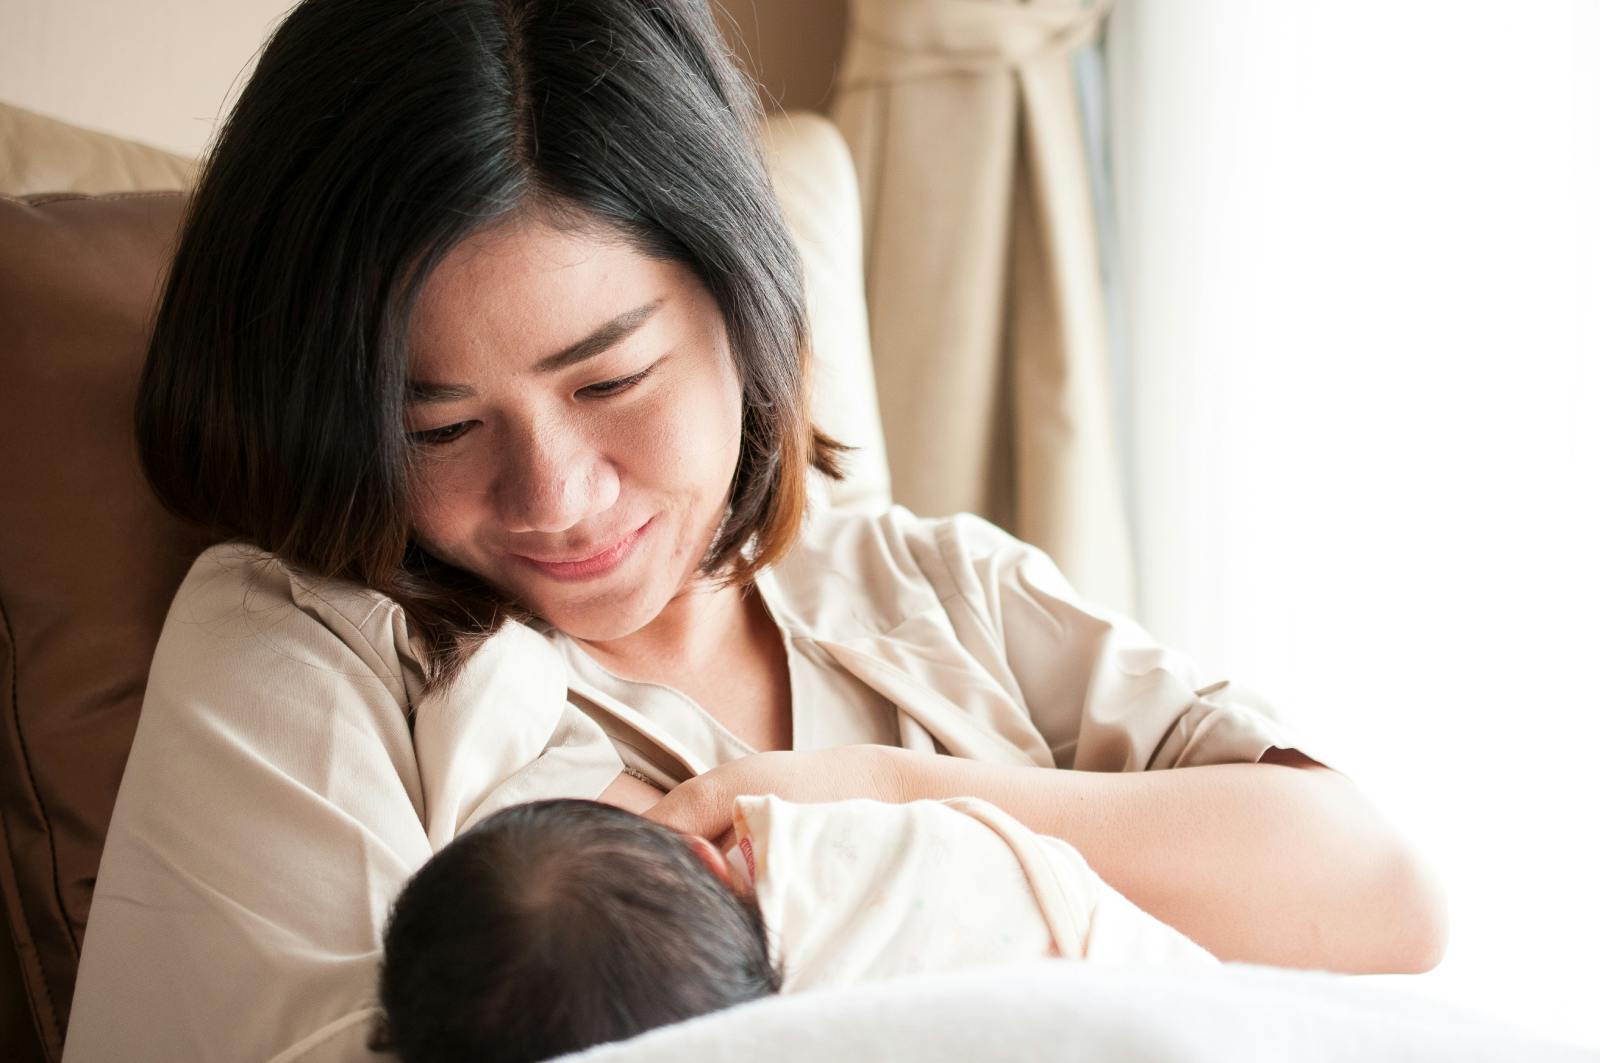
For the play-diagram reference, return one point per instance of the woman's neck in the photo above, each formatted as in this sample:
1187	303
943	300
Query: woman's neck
697	626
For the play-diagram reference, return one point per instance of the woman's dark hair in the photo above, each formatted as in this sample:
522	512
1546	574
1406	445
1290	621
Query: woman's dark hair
558	925
374	137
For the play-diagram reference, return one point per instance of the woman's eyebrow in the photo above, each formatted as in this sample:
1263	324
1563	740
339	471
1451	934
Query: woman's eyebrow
599	341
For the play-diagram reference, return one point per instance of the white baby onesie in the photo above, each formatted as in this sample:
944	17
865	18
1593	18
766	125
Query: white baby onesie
861	891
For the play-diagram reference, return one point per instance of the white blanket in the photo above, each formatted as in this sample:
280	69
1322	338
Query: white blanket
1083	1013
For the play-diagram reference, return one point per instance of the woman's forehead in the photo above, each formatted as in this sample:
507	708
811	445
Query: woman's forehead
537	289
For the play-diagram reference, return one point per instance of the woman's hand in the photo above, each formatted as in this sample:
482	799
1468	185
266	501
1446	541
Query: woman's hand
704	805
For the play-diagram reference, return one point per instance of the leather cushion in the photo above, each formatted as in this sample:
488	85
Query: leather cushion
88	559
44	154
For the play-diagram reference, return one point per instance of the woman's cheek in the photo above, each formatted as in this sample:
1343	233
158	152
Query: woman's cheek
441	512
694	430
659	436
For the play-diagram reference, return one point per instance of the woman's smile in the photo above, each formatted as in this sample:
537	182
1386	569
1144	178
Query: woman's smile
591	566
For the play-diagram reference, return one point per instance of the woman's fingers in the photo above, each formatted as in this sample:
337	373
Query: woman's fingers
704	805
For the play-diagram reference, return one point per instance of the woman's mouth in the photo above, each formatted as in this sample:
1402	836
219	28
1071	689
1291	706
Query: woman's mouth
590	567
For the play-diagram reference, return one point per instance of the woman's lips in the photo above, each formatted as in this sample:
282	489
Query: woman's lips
592	566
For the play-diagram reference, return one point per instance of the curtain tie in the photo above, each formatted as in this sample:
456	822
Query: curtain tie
904	40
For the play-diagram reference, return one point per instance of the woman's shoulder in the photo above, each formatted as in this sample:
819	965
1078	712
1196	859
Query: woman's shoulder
240	601
884	567
899	539
234	580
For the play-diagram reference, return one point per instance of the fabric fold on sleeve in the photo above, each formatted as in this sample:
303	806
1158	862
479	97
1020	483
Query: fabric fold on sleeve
504	733
1105	694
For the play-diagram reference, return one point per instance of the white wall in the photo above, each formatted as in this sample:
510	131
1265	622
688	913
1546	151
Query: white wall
162	71
1363	251
153	70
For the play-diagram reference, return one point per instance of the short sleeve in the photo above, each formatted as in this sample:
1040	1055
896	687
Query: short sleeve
505	733
272	806
1105	695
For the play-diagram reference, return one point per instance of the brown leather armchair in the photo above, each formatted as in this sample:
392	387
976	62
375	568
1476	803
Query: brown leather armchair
88	560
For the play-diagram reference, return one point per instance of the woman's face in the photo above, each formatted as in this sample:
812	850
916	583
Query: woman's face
576	414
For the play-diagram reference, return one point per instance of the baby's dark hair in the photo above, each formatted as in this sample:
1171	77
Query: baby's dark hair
557	925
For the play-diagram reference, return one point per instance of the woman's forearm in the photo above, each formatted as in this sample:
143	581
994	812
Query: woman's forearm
1263	863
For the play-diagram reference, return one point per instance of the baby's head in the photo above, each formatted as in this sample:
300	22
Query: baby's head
557	925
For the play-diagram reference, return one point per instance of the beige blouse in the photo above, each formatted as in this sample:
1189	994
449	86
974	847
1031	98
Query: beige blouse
279	792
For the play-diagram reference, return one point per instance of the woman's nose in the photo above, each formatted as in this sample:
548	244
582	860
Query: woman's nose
551	480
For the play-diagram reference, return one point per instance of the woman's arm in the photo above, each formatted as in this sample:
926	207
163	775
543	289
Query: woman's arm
277	798
269	809
1281	863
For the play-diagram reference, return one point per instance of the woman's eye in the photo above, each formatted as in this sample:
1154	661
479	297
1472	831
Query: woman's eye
607	388
433	437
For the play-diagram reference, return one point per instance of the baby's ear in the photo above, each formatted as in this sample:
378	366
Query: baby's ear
712	857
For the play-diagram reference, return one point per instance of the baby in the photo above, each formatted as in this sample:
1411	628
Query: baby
557	925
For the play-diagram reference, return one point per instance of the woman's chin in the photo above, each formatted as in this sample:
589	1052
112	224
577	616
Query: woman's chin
601	617
592	628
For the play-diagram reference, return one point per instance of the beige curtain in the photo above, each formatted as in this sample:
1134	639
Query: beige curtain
983	281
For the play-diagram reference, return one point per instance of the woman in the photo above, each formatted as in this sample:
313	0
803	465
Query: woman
484	347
